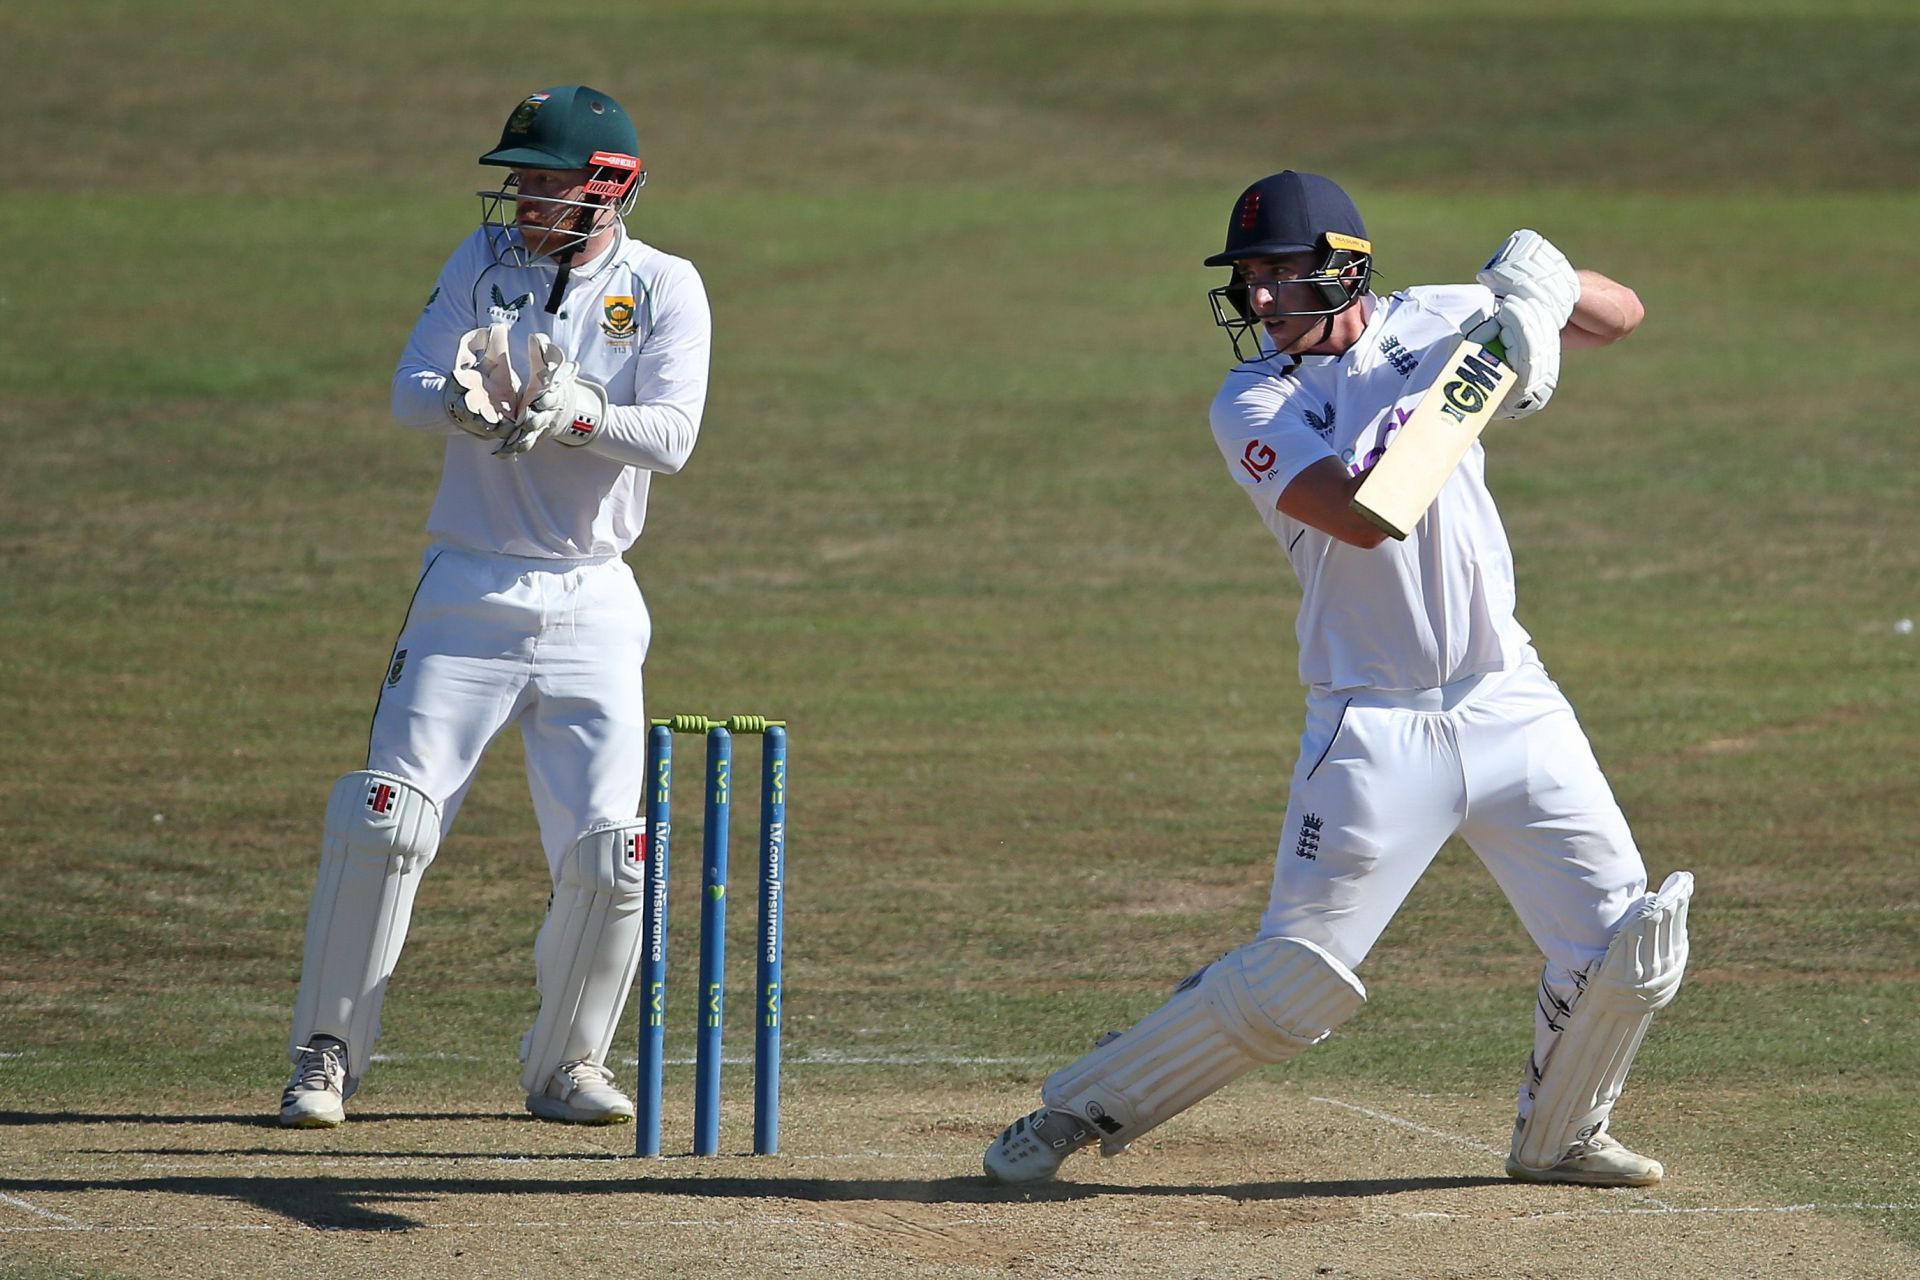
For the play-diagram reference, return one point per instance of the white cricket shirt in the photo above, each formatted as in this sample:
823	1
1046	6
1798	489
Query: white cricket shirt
637	321
1417	614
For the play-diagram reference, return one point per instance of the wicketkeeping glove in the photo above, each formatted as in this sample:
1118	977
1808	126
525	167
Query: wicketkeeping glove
558	402
1528	267
483	391
1532	343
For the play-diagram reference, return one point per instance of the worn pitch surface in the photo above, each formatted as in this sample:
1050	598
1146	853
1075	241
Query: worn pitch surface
1269	1181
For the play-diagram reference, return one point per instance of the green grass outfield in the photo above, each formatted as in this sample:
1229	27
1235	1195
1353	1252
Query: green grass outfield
956	514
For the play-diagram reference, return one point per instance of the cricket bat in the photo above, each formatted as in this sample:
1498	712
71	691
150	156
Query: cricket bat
1435	436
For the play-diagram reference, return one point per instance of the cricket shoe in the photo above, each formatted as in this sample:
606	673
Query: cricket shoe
581	1092
316	1096
1597	1161
1033	1148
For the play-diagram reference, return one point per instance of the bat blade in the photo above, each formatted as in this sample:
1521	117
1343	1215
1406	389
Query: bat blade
1421	457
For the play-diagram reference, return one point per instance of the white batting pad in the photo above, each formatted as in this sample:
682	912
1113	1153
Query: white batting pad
1588	1064
381	833
1261	1003
588	949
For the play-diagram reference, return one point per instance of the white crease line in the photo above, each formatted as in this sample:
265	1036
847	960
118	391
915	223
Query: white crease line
705	1162
1408	1124
827	1058
703	1224
82	1228
1665	1211
610	1160
1659	1206
834	1059
36	1210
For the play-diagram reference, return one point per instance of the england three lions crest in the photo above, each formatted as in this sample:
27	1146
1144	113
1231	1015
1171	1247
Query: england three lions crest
617	320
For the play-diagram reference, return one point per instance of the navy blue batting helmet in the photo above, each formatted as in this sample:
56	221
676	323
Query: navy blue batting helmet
1292	212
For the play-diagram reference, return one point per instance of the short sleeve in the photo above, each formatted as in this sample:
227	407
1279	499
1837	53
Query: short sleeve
1264	437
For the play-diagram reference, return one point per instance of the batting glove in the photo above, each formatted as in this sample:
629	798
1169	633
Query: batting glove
1531	340
1529	268
558	402
483	390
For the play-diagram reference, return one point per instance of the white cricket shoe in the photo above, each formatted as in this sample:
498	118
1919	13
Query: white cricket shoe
1033	1148
316	1096
1598	1161
581	1092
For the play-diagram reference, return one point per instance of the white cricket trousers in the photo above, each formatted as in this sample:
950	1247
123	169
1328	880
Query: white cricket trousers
555	646
1383	780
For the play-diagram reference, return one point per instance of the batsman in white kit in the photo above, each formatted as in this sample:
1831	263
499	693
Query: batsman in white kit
1428	712
565	363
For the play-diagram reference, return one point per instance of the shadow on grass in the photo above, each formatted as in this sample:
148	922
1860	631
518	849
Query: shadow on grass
361	1204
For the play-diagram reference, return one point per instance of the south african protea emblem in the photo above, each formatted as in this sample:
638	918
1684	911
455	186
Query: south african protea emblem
618	324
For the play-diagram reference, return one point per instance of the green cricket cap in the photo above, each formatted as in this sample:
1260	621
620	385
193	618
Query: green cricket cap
564	128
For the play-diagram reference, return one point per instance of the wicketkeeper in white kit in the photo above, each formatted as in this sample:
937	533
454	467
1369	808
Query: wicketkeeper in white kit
565	362
1428	712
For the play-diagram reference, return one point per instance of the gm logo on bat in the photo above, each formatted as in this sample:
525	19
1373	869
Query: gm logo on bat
1475	376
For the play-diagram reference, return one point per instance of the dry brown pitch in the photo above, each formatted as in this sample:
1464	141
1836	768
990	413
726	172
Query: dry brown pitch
1268	1180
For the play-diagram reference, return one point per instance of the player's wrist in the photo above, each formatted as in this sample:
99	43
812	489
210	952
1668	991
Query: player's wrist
588	415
